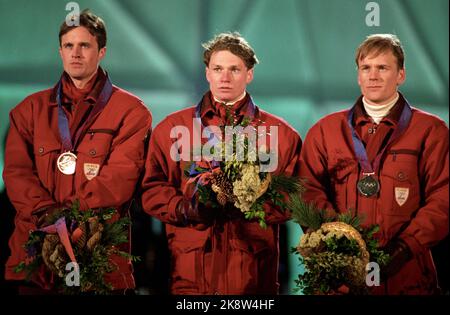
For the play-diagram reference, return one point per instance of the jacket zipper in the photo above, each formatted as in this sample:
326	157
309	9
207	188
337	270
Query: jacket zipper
93	131
402	151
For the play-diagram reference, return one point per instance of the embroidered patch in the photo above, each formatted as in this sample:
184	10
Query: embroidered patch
91	170
401	195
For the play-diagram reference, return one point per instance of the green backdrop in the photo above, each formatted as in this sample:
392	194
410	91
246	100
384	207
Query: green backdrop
306	51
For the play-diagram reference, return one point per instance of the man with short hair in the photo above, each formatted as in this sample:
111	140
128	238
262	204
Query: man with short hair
388	162
82	140
216	251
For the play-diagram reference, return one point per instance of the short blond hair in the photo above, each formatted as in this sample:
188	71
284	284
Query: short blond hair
234	43
381	43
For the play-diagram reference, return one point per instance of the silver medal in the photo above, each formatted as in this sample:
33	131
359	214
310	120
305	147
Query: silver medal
66	163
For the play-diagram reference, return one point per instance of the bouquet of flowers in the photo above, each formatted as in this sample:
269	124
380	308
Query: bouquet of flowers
239	179
334	251
84	238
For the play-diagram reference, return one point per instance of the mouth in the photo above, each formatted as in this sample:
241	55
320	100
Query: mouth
76	64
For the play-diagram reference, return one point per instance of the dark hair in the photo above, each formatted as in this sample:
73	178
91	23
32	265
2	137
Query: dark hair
380	43
94	24
232	42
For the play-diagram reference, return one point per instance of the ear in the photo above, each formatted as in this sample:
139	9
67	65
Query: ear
101	53
401	76
208	74
60	52
249	76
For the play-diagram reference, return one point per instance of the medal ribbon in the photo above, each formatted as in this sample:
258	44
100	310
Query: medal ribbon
250	112
359	148
63	122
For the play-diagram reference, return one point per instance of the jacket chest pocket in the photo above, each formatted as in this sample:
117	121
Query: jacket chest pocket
400	193
92	153
46	153
342	188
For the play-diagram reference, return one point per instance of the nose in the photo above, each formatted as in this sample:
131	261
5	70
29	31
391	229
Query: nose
374	74
225	76
76	51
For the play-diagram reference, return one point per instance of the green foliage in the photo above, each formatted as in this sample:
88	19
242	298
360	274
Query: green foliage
288	184
306	214
93	264
332	260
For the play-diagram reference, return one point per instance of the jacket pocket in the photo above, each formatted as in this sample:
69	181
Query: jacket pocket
187	260
340	184
92	153
46	153
399	192
252	261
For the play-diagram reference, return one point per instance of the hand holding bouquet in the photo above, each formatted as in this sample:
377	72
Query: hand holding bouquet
334	251
85	238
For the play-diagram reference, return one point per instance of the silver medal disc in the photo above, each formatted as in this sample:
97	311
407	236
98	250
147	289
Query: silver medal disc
66	163
368	186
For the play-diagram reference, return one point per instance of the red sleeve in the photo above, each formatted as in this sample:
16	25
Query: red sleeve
313	169
162	179
430	224
289	155
20	176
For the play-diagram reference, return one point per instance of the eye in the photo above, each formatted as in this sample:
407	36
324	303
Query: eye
236	71
68	46
85	45
364	69
217	69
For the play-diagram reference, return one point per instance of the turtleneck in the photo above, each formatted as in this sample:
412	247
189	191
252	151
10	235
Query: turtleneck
378	112
73	93
231	103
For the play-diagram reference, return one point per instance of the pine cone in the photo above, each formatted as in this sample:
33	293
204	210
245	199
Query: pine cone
222	199
81	242
94	240
223	187
53	254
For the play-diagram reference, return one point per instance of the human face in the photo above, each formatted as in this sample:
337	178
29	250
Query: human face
379	78
227	75
80	55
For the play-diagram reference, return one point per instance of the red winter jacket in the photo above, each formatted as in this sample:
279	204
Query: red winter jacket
234	256
413	199
114	143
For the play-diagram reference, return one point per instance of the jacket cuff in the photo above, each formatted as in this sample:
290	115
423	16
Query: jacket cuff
412	243
172	207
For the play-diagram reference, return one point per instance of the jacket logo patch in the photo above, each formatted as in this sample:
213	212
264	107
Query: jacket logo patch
401	195
91	170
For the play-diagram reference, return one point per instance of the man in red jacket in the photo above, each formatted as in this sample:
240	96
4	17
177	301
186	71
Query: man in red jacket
388	162
216	251
82	140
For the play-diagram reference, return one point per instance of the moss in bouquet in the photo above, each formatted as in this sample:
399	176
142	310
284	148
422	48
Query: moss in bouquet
327	271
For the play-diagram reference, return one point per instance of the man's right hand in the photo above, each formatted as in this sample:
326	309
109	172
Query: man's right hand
43	216
201	216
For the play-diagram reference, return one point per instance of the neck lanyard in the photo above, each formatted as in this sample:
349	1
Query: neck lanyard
63	122
250	112
66	162
369	186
